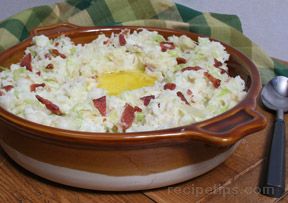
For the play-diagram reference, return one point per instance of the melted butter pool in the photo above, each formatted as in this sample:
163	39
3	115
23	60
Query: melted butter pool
118	82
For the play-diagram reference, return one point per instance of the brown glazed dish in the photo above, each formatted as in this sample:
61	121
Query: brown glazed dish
128	161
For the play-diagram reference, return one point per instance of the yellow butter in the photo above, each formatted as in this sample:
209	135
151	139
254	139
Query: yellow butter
118	82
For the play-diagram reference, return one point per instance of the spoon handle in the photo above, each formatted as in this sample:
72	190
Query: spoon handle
274	184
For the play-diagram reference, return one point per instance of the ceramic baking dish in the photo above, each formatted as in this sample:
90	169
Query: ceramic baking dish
128	161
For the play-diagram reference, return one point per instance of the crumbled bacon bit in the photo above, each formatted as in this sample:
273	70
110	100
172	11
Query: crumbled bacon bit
216	82
127	117
50	66
189	92
38	73
26	62
195	68
146	100
137	109
182	97
169	86
217	63
100	104
55	53
181	60
1	93
122	40
7	88
49	105
222	71
56	44
167	46
34	86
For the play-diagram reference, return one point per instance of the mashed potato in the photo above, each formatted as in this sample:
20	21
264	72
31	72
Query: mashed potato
126	82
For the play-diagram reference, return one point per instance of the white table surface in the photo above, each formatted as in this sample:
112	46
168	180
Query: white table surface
263	21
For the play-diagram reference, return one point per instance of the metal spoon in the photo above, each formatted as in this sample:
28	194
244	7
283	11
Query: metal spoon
274	96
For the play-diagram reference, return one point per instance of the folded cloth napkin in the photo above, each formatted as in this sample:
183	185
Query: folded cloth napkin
157	13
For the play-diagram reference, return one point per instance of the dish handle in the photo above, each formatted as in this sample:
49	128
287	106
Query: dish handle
229	129
56	28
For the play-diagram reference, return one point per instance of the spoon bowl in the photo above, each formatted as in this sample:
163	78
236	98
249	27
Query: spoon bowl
275	94
280	84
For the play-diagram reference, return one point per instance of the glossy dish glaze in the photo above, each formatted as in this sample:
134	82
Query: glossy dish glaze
129	161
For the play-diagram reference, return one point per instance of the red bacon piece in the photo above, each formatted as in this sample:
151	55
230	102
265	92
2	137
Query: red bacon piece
26	62
50	66
127	117
169	86
1	93
195	68
216	82
217	63
38	73
7	88
146	100
49	105
122	40
55	53
222	71
182	97
34	86
167	46
137	109
100	104
181	60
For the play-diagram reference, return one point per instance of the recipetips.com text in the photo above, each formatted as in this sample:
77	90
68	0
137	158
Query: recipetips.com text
218	189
